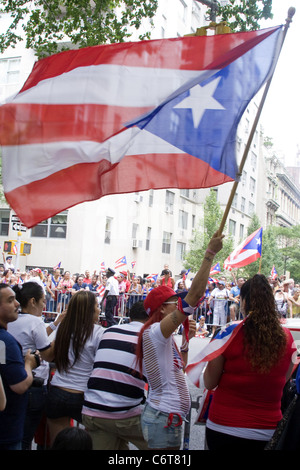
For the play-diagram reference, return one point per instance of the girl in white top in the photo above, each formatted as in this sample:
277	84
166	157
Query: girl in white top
32	334
76	342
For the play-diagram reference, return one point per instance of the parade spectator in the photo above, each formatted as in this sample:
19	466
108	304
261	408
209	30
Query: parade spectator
94	284
110	296
234	297
201	329
31	333
249	375
8	264
52	285
76	343
16	374
168	401
79	284
87	277
183	279
220	296
134	292
38	277
64	291
283	304
112	410
167	279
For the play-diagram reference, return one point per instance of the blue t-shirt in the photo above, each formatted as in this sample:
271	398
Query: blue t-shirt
78	287
12	371
235	291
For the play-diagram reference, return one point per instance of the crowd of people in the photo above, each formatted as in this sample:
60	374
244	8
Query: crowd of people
117	291
86	365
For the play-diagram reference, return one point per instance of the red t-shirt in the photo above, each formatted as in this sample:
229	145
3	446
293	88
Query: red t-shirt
245	398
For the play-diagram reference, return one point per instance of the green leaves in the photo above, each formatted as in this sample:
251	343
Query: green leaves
55	25
244	15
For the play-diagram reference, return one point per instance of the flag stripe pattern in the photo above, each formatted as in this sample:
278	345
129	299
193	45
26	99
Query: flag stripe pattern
128	117
247	252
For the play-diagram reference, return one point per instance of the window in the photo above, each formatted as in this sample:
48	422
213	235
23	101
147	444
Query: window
180	251
183	219
170	201
148	237
108	225
166	245
252	185
9	70
135	228
193	221
151	195
244	177
251	208
56	227
4	221
241	231
182	10
185	193
243	204
232	225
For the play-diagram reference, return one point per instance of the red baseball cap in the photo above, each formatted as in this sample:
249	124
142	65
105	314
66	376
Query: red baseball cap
157	297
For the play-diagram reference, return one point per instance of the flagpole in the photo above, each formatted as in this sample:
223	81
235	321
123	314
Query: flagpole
288	20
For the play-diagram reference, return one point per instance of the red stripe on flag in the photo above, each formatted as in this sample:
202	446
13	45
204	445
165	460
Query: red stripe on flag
36	123
90	181
174	53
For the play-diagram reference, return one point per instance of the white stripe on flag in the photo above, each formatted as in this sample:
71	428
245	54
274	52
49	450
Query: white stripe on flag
33	165
127	86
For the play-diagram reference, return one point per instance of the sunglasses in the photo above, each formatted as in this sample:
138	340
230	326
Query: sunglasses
174	302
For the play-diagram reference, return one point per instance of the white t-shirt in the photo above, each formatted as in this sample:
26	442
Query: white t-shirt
168	390
78	374
220	296
30	332
112	286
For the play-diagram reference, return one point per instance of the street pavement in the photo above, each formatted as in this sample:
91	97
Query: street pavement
196	431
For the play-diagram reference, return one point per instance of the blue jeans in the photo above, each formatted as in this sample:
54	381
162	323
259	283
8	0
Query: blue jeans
157	432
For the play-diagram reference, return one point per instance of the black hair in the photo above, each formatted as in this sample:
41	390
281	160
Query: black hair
28	290
73	438
138	312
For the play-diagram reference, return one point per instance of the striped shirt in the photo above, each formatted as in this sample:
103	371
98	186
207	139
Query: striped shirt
115	388
168	390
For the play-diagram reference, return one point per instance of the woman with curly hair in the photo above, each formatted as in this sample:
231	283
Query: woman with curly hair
76	342
249	376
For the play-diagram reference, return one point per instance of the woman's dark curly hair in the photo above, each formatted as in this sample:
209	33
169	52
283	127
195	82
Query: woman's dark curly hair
265	339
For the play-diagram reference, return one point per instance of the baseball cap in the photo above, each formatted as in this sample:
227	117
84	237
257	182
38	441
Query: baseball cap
157	297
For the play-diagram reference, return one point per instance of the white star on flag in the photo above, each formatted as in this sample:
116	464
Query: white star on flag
201	99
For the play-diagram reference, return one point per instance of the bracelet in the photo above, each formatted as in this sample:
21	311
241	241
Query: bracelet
211	252
52	326
184	347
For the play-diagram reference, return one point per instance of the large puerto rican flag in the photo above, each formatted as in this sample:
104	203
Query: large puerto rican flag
247	252
129	117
